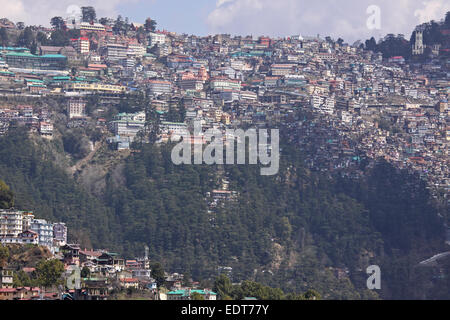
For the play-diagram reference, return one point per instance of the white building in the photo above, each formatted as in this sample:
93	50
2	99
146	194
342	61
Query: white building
136	50
82	45
157	87
323	104
76	108
156	38
44	230
14	222
116	52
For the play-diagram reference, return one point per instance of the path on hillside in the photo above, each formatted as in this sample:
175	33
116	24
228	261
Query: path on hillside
86	159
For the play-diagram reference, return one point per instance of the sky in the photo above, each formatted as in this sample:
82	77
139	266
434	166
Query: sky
349	19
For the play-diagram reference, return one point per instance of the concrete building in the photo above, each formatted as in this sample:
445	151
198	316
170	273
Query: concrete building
116	52
76	108
13	222
44	230
157	87
59	234
31	61
81	45
128	124
156	38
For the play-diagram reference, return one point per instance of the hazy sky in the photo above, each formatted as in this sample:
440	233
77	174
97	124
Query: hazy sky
337	18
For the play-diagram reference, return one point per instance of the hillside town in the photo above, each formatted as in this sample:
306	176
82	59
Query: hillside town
363	105
340	102
96	273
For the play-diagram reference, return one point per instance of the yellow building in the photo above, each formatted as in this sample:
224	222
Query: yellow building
95	87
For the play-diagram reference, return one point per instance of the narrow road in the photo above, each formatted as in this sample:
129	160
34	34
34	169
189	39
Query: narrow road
434	258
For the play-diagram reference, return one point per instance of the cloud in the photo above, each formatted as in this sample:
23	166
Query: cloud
337	18
431	10
40	12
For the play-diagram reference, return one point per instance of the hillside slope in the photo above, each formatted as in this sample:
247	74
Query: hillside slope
297	230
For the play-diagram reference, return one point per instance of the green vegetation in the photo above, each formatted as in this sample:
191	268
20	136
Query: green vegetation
4	255
299	230
6	196
49	272
390	46
251	289
158	274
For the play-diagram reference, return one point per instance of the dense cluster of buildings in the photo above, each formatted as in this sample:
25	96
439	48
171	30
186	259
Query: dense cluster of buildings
338	102
363	105
97	274
35	119
21	227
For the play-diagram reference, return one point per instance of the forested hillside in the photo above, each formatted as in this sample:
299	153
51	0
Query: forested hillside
297	230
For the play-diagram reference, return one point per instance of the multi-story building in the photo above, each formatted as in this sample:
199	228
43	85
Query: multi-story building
20	227
282	69
128	124
163	50
6	278
136	50
157	87
248	95
323	104
86	27
156	38
46	128
76	108
176	128
191	84
221	83
44	231
26	237
116	52
81	45
59	234
24	60
13	222
95	87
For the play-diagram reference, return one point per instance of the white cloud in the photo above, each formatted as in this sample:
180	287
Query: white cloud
432	10
338	18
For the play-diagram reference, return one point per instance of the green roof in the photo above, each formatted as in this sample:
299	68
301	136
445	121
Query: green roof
14	49
53	56
34	80
20	54
185	292
30	55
